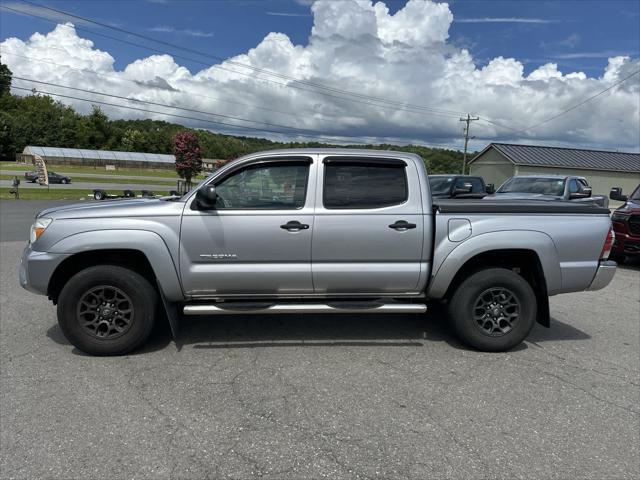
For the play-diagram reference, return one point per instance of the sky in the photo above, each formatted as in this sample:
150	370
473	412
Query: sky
346	70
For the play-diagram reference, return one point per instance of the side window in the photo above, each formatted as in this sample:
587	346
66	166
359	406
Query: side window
573	186
277	186
364	185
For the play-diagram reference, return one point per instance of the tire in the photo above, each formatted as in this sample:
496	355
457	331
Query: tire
134	300
493	310
98	195
64	181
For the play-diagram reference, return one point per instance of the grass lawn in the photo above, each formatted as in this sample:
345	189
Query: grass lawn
52	194
143	172
137	181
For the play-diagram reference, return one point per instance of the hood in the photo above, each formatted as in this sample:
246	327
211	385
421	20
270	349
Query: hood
137	207
630	206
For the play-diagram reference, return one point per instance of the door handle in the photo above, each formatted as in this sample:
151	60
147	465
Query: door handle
294	226
402	225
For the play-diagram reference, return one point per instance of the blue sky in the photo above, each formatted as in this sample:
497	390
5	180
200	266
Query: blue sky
521	65
575	34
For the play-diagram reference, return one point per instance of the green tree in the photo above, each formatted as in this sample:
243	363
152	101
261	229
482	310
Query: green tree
5	79
134	141
95	130
188	154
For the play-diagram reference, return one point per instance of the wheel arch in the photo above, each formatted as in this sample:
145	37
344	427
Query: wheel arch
531	253
142	251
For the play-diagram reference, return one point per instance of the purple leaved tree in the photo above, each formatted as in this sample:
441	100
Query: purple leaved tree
188	155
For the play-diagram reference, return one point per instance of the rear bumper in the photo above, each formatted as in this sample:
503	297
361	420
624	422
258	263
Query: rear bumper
604	275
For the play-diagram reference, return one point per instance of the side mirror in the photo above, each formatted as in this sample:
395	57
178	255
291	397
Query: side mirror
463	189
616	194
585	192
206	197
490	188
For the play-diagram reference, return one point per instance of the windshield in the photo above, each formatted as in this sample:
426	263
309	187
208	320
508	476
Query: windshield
635	195
440	185
542	186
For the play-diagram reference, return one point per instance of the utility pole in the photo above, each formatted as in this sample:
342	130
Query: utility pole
468	121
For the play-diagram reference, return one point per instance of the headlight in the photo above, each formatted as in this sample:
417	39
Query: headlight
619	217
38	228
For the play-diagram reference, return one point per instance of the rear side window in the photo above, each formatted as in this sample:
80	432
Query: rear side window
360	184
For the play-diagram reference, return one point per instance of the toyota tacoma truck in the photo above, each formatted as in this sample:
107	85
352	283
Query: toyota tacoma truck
313	231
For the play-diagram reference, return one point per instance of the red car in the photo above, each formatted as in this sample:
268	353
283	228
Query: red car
626	224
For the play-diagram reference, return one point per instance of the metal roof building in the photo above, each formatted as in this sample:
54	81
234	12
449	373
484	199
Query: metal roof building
602	169
78	156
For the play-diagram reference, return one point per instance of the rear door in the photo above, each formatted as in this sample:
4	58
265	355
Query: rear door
368	229
258	238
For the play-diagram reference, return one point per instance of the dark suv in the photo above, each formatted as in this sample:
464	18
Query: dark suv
626	224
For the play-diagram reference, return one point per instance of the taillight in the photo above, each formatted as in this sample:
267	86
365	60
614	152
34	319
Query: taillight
608	243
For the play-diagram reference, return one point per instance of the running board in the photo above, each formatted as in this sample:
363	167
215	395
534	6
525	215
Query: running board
307	308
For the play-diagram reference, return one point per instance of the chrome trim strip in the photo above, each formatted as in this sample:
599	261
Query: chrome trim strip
303	296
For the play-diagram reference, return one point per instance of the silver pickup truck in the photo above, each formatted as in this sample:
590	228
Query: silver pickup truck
313	231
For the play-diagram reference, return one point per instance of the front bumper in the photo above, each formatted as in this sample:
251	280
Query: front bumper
36	269
626	244
604	275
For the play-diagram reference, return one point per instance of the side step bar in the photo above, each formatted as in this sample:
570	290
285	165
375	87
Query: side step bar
307	308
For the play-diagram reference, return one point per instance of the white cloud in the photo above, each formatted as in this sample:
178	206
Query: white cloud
504	20
602	54
360	47
189	32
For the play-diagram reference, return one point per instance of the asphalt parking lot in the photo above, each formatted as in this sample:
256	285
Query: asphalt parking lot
321	396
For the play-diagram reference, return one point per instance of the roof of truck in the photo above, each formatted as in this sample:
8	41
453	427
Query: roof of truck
335	151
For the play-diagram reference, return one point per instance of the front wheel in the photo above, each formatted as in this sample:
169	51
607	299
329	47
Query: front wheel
107	310
64	181
493	310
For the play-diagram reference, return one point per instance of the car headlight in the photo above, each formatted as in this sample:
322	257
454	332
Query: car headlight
619	217
38	228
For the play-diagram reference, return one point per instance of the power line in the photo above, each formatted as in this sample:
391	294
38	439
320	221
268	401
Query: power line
157	104
583	102
140	83
382	102
243	127
238	64
333	139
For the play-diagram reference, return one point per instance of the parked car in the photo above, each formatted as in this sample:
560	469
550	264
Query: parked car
458	186
549	187
313	231
626	224
53	177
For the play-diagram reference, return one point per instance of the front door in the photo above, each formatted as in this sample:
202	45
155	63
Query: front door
257	240
368	230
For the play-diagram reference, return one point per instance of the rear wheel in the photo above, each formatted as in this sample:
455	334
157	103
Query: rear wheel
99	195
493	310
107	310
